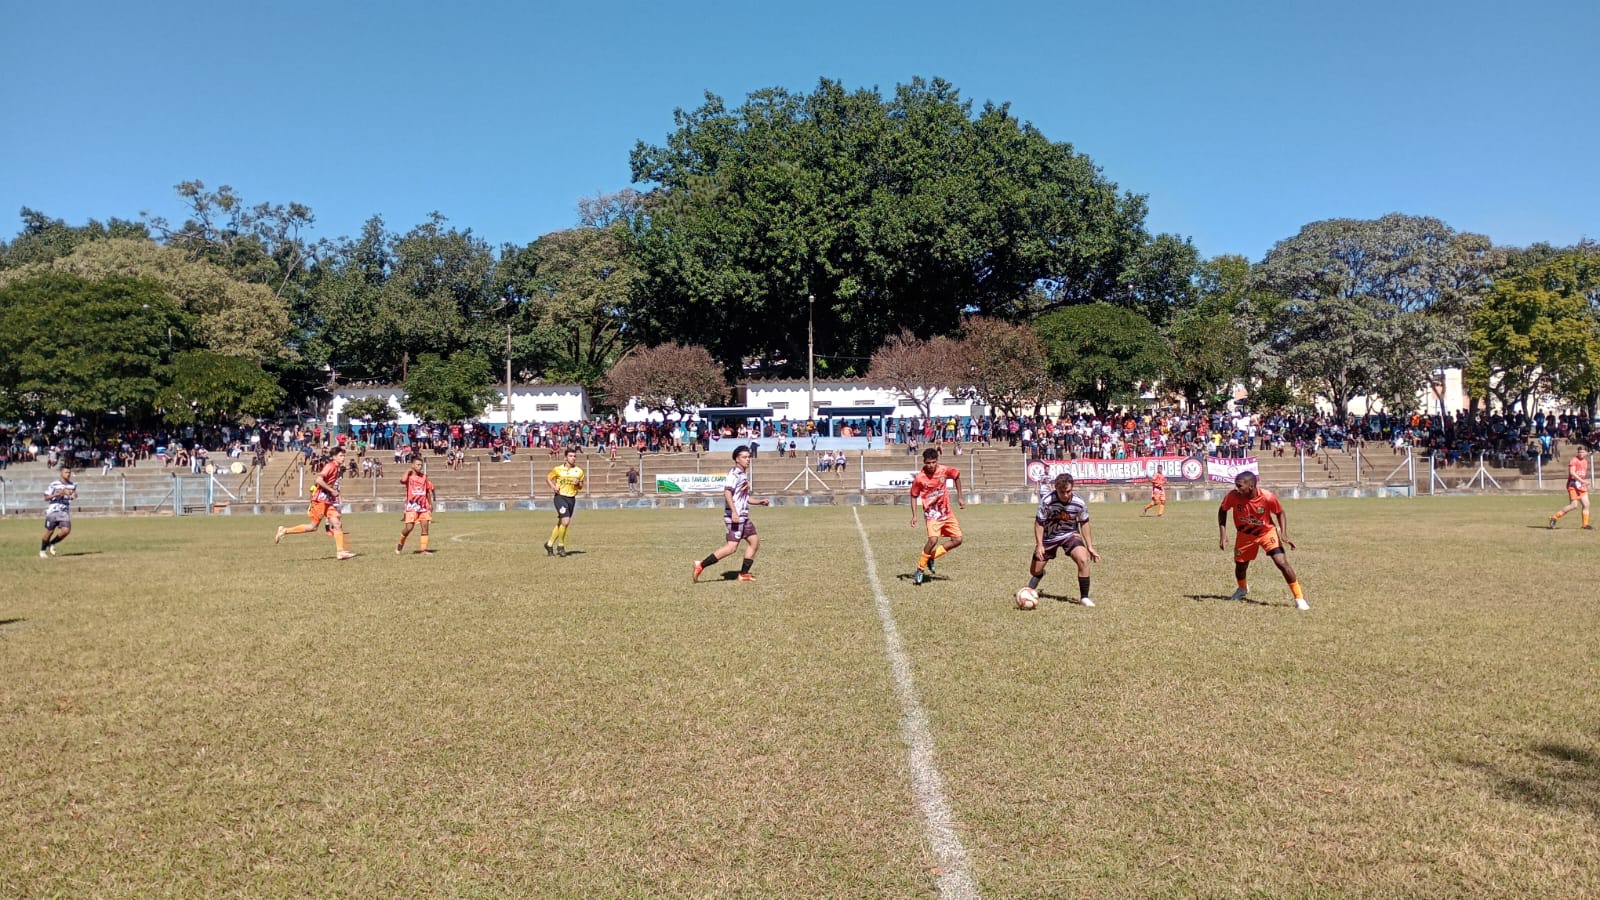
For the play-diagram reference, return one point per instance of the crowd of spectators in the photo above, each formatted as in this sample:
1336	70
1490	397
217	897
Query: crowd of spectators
1453	439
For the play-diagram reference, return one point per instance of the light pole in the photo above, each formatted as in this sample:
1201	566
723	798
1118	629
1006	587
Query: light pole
508	376
811	359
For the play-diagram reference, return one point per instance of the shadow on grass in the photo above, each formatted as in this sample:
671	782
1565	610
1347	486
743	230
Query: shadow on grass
5	622
1063	598
1548	775
911	576
1228	598
83	553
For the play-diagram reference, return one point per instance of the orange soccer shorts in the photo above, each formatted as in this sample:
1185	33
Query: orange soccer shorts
414	515
938	528
321	509
1158	495
1246	546
1576	490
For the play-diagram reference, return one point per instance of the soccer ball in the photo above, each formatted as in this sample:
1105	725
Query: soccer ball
1027	598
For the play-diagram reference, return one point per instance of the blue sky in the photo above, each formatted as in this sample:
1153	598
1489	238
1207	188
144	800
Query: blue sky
1241	121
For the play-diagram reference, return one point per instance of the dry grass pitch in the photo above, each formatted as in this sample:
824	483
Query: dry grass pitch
189	710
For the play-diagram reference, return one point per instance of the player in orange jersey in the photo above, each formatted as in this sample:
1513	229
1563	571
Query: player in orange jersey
1253	513
1158	495
419	505
930	500
1577	487
325	505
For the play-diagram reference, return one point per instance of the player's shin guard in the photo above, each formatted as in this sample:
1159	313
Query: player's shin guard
424	542
1083	586
554	534
922	560
939	551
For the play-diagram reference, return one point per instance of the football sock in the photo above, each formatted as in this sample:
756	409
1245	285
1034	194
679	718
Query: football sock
562	539
744	567
940	550
1294	588
1034	581
1242	585
424	542
554	533
302	528
338	541
922	561
709	561
1083	586
1161	509
44	545
1585	519
402	544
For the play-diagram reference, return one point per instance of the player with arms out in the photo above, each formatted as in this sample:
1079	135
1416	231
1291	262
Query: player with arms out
1577	487
325	505
1062	525
566	480
1253	513
736	518
58	512
1158	495
930	501
419	505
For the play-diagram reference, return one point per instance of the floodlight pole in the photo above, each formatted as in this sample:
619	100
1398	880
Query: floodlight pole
508	380
811	358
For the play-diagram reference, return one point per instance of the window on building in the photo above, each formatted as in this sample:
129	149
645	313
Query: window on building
953	401
866	403
548	407
779	404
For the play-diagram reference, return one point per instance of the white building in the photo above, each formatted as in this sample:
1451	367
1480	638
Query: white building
529	403
790	399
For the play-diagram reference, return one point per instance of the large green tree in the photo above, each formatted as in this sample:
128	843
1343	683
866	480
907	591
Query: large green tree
1100	354
213	388
85	346
1390	298
1538	333
901	212
449	389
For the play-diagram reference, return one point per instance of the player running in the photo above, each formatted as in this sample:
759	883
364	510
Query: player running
419	506
1577	487
1062	524
325	505
1253	513
736	517
566	480
58	512
930	499
1158	495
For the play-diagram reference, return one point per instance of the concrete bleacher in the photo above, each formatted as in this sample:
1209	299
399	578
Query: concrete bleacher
993	473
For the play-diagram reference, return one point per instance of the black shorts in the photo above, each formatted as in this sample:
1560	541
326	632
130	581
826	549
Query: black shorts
564	506
1064	545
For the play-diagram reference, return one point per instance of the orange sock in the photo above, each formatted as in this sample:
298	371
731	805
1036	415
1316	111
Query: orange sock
1294	588
1242	585
1559	514
940	550
1161	509
302	528
424	542
338	540
402	544
1586	518
922	561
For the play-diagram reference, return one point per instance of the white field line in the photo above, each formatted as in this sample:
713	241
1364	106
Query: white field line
927	787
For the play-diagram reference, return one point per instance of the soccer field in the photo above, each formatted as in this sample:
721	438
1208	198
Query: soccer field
190	710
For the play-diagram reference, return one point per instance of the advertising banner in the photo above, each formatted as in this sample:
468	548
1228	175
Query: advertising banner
890	481
1133	470
1227	468
689	483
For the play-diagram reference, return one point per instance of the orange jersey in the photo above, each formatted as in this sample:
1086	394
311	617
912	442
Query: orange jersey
418	488
1252	515
329	475
1578	470
1158	480
933	491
